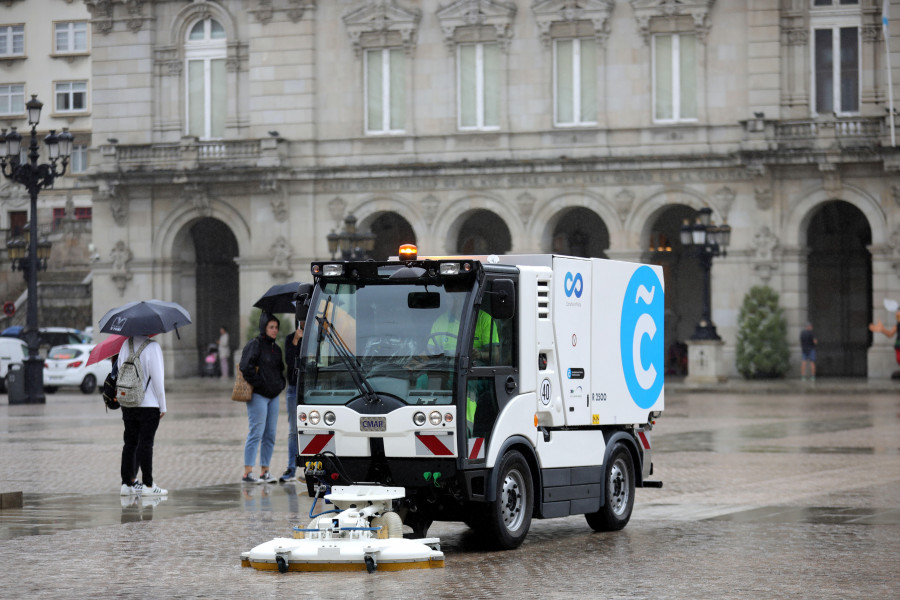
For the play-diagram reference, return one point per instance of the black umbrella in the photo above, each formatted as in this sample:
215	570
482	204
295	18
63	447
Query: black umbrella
282	298
145	317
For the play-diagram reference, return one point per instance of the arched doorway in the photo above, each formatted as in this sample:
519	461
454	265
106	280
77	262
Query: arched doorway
683	280
483	232
580	232
217	303
839	288
391	230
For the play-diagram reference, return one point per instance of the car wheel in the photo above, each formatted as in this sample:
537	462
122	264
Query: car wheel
89	384
50	389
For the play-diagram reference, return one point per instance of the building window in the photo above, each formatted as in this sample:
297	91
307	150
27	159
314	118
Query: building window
674	77
479	86
79	161
17	221
71	96
834	2
12	99
81	213
836	71
385	90
71	37
575	83
12	40
206	83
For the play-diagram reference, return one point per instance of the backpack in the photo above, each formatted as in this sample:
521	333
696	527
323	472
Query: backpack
130	385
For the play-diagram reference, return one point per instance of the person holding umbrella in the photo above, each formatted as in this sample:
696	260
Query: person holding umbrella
262	366
137	321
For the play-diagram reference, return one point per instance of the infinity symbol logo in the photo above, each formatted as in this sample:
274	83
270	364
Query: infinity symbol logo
573	284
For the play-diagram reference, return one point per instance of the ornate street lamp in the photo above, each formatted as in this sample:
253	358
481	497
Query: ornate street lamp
352	244
705	240
34	177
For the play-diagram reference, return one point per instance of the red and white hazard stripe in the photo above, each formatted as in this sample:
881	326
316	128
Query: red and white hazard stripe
433	445
315	443
476	448
645	439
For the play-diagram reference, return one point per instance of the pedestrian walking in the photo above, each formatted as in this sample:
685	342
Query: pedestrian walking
141	422
291	350
224	349
262	366
808	343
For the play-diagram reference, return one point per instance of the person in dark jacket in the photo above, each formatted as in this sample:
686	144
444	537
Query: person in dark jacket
291	350
263	369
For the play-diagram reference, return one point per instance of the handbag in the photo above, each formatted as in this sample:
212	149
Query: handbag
242	391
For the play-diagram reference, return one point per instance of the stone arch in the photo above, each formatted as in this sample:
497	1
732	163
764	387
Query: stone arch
450	220
798	219
640	222
190	14
176	220
547	217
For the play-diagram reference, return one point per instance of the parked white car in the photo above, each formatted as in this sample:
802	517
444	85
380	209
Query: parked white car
12	350
67	366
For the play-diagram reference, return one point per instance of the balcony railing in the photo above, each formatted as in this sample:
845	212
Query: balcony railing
192	153
842	132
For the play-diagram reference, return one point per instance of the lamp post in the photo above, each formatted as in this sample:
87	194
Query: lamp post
34	177
352	244
705	240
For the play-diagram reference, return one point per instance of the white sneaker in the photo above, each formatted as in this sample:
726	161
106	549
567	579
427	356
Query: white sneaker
126	490
155	490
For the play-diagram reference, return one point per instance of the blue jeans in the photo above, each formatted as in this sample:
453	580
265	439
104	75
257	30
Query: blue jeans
262	413
291	400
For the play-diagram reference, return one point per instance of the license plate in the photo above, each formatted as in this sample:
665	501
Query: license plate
372	423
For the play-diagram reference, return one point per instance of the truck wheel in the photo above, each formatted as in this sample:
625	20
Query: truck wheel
509	517
616	510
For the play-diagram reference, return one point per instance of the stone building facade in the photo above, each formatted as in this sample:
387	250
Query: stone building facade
247	130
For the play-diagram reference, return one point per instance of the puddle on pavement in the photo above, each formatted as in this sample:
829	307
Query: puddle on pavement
814	515
46	514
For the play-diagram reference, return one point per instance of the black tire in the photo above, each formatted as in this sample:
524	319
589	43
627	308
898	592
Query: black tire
619	495
88	384
50	389
509	516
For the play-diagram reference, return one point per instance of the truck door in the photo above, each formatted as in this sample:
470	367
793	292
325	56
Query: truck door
492	377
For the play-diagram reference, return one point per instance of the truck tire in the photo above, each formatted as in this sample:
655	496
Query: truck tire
509	516
619	495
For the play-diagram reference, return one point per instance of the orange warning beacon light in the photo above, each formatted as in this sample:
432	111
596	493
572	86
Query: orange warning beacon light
408	252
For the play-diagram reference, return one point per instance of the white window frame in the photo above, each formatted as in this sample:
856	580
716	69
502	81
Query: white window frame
69	28
79	160
12	32
479	89
59	87
385	126
576	84
6	90
835	22
676	78
206	50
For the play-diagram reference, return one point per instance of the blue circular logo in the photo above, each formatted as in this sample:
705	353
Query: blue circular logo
641	337
573	283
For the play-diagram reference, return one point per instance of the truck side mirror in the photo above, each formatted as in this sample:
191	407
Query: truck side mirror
503	299
304	293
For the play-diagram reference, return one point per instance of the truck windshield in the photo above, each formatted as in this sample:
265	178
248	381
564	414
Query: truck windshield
398	339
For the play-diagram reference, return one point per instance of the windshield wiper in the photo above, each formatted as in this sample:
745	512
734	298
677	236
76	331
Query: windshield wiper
327	330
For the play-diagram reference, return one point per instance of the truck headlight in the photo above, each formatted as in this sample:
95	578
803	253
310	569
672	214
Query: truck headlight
314	417
329	418
434	418
419	418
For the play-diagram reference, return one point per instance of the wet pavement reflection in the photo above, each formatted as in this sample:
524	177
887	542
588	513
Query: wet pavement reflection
765	496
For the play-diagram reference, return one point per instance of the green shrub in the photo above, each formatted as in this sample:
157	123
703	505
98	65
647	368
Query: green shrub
762	349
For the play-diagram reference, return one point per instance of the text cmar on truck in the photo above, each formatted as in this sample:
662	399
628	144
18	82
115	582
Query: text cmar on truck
494	389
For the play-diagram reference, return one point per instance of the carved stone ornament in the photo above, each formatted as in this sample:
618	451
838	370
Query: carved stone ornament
477	13
548	12
118	202
264	11
697	10
724	200
135	17
336	208
380	18
278	201
296	8
764	197
281	259
765	243
198	196
623	200
526	206
101	15
796	36
120	272
429	209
